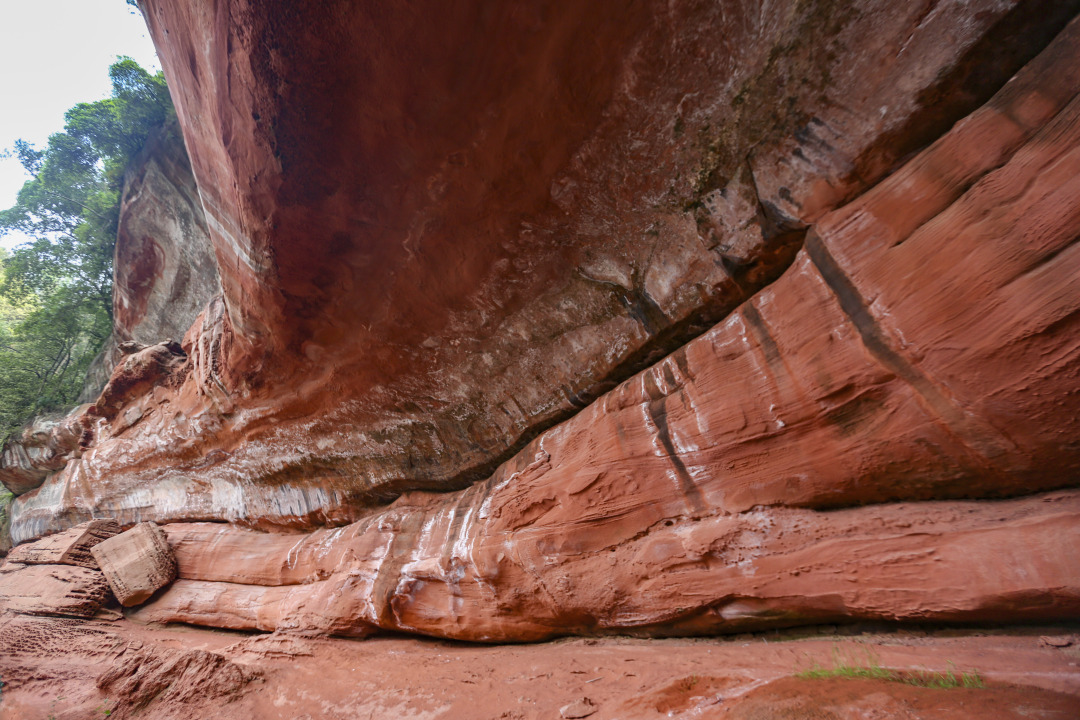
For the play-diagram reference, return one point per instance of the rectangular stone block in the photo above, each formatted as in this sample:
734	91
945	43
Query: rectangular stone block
136	563
71	547
57	590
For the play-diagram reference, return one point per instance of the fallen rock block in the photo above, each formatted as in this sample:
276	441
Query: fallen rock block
71	547
137	563
56	590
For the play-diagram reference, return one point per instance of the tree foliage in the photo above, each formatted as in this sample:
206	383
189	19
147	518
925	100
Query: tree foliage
56	291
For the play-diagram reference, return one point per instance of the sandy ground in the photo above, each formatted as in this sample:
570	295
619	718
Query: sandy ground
53	669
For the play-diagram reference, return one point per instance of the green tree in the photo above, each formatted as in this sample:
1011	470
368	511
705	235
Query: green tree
57	289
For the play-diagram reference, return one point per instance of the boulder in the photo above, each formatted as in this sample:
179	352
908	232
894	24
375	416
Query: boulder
57	590
70	547
137	563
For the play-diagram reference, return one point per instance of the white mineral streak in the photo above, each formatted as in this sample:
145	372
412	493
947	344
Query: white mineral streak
216	219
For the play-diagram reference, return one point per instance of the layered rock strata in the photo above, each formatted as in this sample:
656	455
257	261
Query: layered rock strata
164	275
925	344
53	590
164	272
144	675
486	235
71	547
44	446
142	370
899	332
425	568
164	269
67	667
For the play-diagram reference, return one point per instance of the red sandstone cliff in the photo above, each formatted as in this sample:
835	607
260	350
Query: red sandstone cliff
896	359
165	272
693	317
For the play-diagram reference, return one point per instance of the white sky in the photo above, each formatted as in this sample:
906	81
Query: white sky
54	54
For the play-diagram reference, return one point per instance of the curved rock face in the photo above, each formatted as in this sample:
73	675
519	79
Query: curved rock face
456	569
898	358
45	445
165	271
439	234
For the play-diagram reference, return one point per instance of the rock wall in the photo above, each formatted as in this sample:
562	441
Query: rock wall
453	569
164	271
440	233
701	317
924	344
45	445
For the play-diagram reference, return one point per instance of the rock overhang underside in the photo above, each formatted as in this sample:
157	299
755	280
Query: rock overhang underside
538	320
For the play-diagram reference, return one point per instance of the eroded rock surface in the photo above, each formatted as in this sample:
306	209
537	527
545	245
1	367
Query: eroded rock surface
144	675
59	590
71	547
141	369
892	361
454	571
50	666
165	270
423	280
860	698
418	281
45	445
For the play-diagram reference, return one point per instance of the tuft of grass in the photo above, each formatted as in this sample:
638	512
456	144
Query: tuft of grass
869	667
945	680
848	671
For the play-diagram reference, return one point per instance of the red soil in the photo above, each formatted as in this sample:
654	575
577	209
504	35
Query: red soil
79	669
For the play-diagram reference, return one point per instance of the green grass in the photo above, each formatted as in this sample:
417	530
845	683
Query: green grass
869	667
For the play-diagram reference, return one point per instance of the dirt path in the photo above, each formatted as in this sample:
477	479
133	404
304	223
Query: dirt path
53	668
